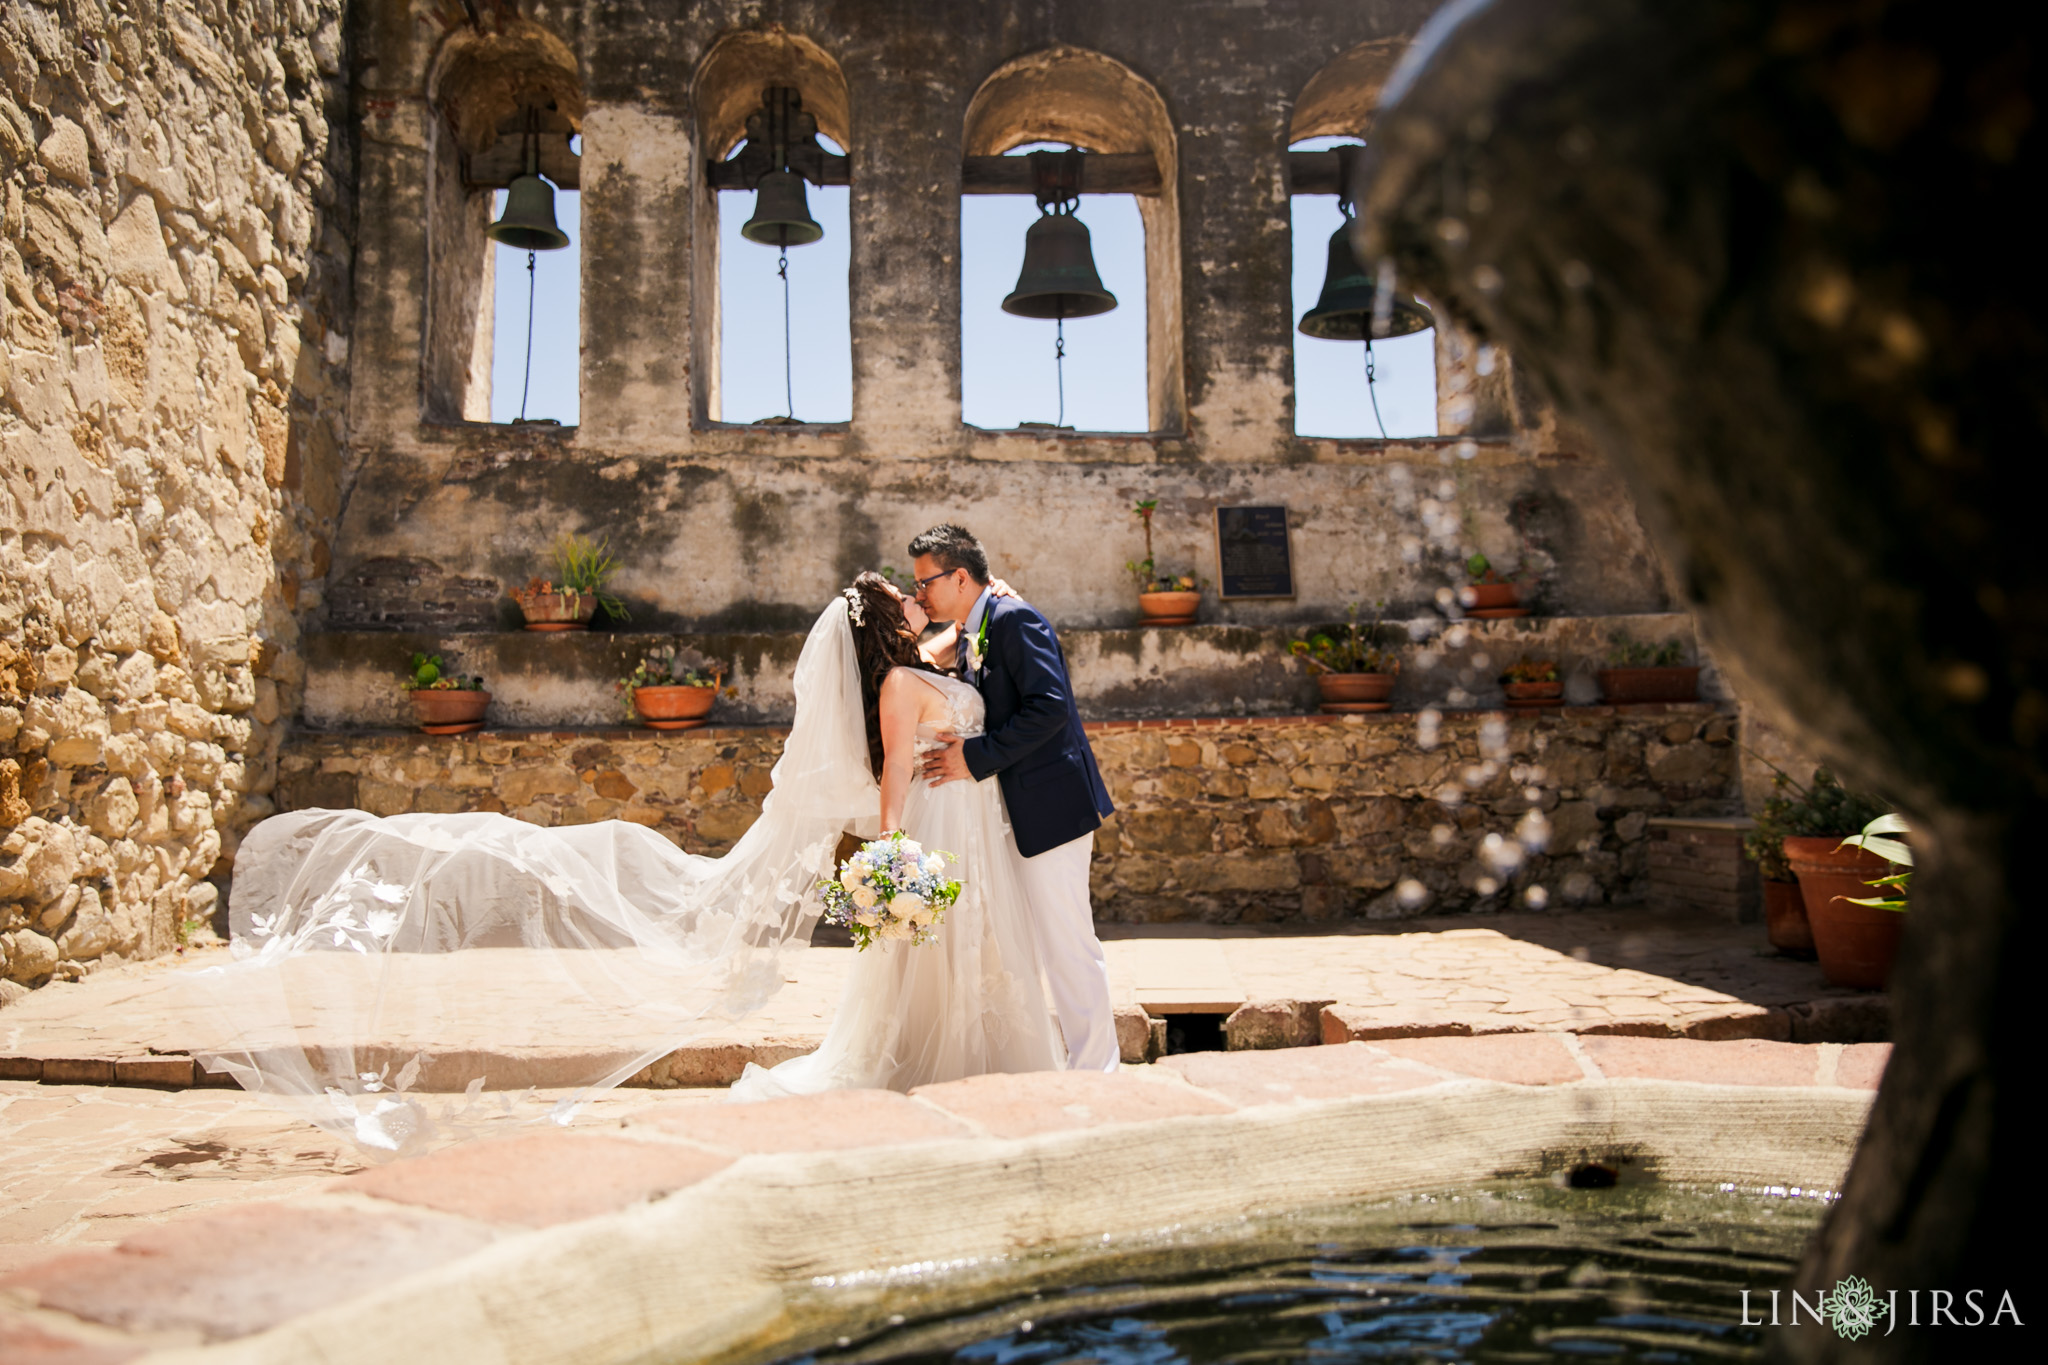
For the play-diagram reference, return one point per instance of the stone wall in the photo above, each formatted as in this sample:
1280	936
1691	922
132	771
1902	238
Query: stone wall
1297	818
702	788
172	368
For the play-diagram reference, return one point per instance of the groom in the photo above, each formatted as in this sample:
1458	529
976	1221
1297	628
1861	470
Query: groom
1032	744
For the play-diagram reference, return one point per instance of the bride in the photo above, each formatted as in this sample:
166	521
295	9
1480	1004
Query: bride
362	944
970	1003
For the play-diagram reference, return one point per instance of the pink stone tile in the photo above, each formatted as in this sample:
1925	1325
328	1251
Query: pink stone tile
1738	1061
832	1121
241	1270
1517	1058
28	1343
1015	1106
539	1179
1861	1065
1356	1023
1300	1073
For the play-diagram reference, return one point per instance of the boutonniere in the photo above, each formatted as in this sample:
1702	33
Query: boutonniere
977	648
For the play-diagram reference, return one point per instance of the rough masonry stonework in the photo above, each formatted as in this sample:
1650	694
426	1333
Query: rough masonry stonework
172	368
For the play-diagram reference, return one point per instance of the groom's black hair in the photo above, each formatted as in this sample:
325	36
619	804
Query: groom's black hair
953	547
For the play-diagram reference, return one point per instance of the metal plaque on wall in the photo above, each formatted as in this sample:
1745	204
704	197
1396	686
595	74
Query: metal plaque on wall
1252	557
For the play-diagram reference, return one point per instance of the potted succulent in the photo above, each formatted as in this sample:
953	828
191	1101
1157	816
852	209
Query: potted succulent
1785	922
1638	672
1351	670
671	688
1531	683
1164	599
444	703
568	600
1490	595
1817	822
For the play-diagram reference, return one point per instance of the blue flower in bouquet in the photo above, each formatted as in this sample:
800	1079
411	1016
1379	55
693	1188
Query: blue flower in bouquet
890	889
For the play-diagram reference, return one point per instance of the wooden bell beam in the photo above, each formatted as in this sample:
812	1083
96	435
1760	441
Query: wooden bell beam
1108	173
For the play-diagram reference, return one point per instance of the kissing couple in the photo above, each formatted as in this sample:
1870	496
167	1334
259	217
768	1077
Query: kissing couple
358	939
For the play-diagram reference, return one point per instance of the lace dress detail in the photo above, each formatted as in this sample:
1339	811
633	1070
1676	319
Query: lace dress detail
970	1003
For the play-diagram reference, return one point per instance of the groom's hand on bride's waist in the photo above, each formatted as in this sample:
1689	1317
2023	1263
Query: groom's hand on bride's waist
948	764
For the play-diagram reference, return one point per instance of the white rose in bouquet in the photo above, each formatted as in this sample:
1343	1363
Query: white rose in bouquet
907	906
869	917
852	878
933	864
864	897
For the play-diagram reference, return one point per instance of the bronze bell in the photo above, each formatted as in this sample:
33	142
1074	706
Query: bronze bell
782	215
1344	310
528	223
1058	279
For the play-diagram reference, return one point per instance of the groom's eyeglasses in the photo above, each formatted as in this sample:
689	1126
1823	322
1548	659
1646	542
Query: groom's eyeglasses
919	584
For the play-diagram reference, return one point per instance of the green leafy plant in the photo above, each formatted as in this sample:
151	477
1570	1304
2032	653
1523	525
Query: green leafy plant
1347	648
1146	571
1824	810
1894	851
1624	651
1527	670
583	568
426	673
1480	569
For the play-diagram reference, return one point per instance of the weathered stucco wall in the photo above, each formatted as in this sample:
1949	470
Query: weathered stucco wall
1297	818
741	528
173	344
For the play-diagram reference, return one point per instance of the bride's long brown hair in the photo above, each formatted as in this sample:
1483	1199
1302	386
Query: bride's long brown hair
882	640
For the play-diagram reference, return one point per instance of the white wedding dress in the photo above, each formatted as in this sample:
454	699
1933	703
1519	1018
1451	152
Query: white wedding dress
362	945
968	1004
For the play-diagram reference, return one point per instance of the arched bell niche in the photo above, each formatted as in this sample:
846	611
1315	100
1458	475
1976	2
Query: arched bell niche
488	89
729	87
1088	100
1331	398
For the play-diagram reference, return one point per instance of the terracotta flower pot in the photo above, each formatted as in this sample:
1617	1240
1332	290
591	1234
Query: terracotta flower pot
1620	686
437	707
1856	943
1168	608
1532	691
1353	688
663	707
558	610
1785	922
1489	596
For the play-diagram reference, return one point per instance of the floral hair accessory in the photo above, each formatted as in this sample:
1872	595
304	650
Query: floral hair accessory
856	609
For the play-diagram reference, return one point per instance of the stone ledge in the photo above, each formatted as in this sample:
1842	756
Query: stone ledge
730	1236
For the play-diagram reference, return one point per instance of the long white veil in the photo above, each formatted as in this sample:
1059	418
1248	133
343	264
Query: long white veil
407	979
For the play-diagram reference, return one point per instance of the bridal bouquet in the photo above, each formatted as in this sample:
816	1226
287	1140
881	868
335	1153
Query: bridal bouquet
890	889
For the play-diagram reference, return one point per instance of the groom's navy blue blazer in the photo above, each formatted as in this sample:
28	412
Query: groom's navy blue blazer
1033	742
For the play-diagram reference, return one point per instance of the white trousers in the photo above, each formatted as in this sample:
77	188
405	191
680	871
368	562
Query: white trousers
1056	884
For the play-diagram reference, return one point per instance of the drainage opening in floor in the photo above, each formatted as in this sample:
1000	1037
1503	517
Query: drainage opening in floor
1194	1033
